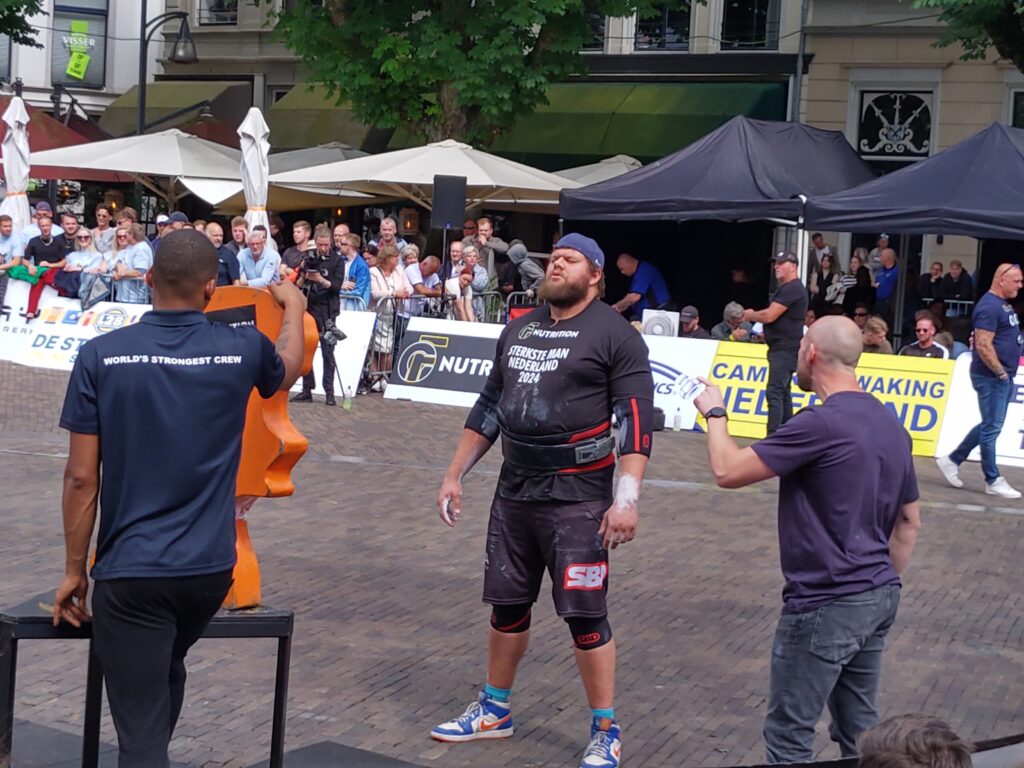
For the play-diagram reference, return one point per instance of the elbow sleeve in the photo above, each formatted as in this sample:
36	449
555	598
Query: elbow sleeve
635	417
483	419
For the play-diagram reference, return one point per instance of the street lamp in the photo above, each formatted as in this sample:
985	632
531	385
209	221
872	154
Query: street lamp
183	52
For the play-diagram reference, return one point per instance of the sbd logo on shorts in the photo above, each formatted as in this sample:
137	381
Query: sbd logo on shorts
586	575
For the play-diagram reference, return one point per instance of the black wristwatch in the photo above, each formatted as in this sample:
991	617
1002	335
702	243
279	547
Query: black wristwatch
716	413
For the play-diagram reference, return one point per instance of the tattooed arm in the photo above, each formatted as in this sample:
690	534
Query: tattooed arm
290	342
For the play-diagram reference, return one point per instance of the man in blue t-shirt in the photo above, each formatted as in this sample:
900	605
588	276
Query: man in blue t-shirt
647	288
843	540
887	277
166	543
998	346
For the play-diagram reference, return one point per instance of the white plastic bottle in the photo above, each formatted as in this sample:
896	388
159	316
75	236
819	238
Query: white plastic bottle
677	420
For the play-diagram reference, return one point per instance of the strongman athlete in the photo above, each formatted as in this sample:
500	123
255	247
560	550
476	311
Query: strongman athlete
559	374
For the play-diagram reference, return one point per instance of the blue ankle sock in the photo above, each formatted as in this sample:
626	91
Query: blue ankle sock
500	695
601	713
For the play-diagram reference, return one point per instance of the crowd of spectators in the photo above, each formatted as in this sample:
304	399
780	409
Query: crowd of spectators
398	280
106	262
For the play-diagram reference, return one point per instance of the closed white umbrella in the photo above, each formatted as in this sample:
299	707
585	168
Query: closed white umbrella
16	164
254	140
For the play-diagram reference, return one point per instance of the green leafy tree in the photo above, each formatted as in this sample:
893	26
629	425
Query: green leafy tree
14	21
978	25
460	69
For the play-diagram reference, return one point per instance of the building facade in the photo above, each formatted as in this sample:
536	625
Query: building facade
690	68
877	76
89	47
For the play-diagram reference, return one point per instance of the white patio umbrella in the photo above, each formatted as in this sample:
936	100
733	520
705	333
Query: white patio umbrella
16	164
605	169
254	139
228	197
156	160
409	173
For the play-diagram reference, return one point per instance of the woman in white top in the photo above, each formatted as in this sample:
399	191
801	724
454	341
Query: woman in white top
388	284
83	267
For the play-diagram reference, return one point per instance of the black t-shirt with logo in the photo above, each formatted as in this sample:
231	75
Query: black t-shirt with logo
42	252
558	380
167	496
788	329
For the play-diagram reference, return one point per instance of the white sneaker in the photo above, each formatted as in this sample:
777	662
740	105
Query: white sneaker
950	470
999	487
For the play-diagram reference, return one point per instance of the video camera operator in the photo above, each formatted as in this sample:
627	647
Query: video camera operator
321	274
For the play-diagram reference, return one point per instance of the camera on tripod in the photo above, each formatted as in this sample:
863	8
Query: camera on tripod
331	335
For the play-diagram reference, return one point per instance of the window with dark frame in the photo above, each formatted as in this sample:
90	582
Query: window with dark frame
215	13
78	55
750	25
5	57
668	31
596	22
1017	114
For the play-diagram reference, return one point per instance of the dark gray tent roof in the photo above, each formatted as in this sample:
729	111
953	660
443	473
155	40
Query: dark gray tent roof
746	169
973	188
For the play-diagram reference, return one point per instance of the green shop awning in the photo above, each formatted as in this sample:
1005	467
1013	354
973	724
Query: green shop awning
307	117
228	101
585	122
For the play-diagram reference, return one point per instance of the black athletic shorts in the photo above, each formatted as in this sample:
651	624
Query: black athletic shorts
526	537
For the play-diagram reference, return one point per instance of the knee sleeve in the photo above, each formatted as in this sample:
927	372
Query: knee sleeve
589	633
511	619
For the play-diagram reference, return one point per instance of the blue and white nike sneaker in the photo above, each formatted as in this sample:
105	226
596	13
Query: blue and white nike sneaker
605	748
483	719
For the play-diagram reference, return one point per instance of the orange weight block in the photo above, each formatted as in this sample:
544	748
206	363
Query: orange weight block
271	445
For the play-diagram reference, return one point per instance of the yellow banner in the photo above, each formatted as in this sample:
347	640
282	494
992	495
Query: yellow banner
916	389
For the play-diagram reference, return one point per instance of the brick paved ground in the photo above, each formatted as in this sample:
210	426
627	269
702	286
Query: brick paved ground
390	628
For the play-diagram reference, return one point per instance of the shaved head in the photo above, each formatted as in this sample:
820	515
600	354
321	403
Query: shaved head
184	266
832	342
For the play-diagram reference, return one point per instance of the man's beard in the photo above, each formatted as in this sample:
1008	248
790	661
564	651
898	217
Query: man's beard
565	294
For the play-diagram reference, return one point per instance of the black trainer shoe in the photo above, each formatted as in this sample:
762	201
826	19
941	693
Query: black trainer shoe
329	400
305	396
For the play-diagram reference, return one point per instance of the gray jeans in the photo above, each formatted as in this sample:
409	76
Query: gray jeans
831	655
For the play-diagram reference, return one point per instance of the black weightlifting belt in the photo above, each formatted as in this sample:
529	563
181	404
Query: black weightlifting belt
554	458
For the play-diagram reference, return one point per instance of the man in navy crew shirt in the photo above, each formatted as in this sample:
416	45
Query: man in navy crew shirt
166	543
647	287
843	543
998	346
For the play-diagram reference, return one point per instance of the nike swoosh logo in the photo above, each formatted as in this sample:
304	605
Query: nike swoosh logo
495	724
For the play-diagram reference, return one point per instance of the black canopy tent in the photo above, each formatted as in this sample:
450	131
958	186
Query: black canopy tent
973	188
743	171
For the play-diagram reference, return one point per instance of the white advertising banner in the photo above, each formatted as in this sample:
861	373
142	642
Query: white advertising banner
675	364
443	361
963	414
53	339
349	354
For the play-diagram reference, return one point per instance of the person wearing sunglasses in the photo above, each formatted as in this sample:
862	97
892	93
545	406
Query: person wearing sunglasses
998	345
925	344
84	264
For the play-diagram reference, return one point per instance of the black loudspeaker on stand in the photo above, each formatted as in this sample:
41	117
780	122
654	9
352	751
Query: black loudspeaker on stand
448	213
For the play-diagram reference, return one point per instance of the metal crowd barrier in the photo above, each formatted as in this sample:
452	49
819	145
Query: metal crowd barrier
388	329
519	303
494	307
954	307
350	302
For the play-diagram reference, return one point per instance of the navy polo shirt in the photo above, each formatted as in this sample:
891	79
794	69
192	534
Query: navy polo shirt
167	398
